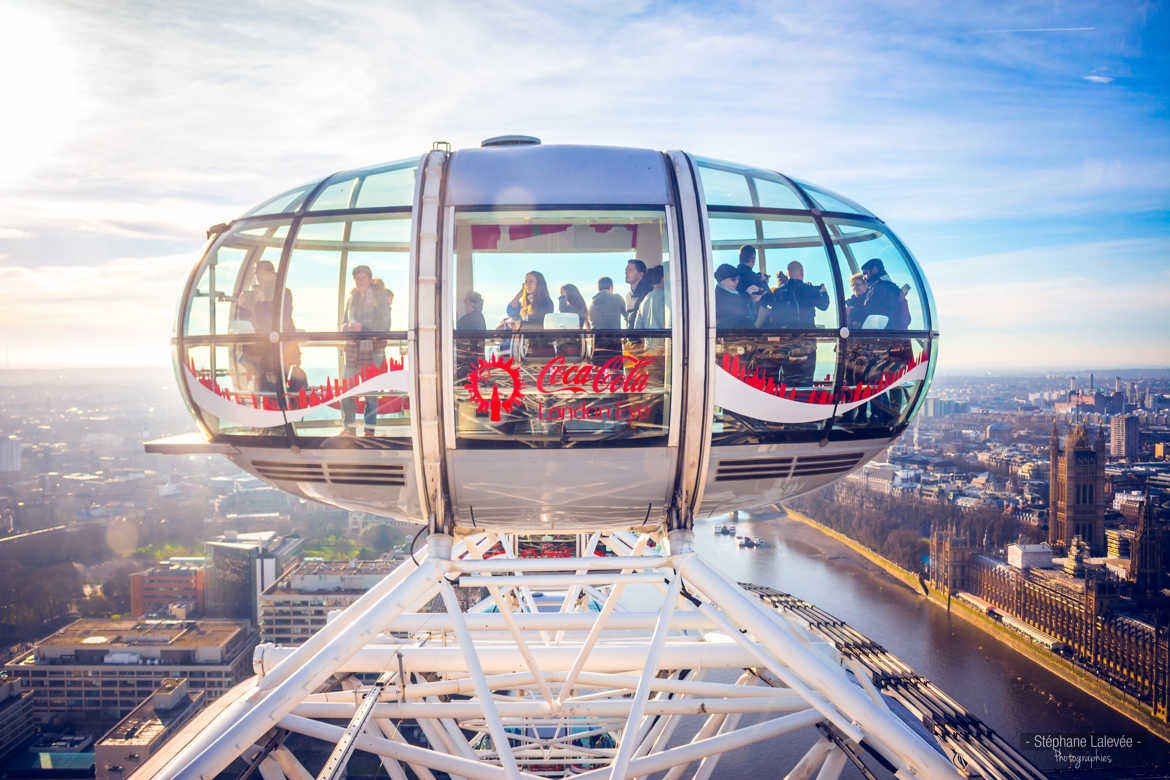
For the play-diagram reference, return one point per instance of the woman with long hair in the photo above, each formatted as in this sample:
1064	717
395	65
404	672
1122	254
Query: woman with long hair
530	305
572	300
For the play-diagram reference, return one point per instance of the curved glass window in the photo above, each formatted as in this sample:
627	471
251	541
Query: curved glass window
344	322
217	302
384	186
791	265
883	378
831	201
390	185
231	363
283	203
729	184
324	354
326	254
562	328
890	297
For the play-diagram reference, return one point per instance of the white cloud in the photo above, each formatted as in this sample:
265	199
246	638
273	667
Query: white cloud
179	117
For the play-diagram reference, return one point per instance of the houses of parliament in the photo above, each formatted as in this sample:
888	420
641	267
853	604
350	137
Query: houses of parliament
1078	594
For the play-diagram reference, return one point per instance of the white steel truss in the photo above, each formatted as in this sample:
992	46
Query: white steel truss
552	678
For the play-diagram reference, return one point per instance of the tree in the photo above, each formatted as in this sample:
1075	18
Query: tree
116	587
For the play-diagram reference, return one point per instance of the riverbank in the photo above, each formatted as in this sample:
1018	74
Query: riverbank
1113	698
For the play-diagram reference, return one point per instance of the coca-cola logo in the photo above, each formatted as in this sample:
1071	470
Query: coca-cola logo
620	374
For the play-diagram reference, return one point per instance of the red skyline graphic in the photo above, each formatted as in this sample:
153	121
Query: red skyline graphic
306	397
818	395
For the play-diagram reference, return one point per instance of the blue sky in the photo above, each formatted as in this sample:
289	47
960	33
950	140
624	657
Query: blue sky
1021	150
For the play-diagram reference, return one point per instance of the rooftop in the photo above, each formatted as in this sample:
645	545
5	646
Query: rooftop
150	720
116	633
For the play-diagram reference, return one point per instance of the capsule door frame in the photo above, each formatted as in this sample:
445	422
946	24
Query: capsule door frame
678	336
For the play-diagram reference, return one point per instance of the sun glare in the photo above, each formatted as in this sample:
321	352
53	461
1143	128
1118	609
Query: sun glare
37	75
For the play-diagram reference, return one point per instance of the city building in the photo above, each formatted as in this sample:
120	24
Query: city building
295	606
168	583
240	566
16	714
138	735
1124	437
11	449
1029	556
1118	542
1077	490
106	666
950	557
939	407
1147	563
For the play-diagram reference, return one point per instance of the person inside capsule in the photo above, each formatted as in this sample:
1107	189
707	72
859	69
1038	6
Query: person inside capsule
794	304
733	309
606	313
366	310
529	306
257	306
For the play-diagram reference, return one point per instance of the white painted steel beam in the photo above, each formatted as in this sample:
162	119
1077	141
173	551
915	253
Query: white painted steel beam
653	663
883	730
534	708
268	704
566	580
502	565
444	762
486	700
503	659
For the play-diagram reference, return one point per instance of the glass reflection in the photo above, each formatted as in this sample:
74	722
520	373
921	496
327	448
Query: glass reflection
884	288
772	387
227	383
543	389
344	380
882	380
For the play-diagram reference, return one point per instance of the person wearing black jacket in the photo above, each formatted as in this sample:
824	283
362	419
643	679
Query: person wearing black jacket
748	276
884	297
855	312
733	309
794	305
800	297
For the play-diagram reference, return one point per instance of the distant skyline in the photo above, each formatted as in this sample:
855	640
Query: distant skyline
1021	150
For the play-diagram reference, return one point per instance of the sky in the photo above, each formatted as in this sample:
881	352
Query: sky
1021	150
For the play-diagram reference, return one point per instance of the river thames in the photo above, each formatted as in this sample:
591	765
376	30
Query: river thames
1007	691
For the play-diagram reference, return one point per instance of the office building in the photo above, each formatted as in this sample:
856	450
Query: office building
137	736
240	566
169	583
105	667
1124	437
294	607
16	714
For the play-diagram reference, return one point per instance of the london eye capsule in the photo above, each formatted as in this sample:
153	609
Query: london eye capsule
536	337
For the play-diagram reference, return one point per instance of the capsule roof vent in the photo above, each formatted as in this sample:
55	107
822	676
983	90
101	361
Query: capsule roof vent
511	140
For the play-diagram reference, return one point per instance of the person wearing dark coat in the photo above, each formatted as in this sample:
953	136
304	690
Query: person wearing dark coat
794	305
469	350
748	277
733	309
883	297
855	311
